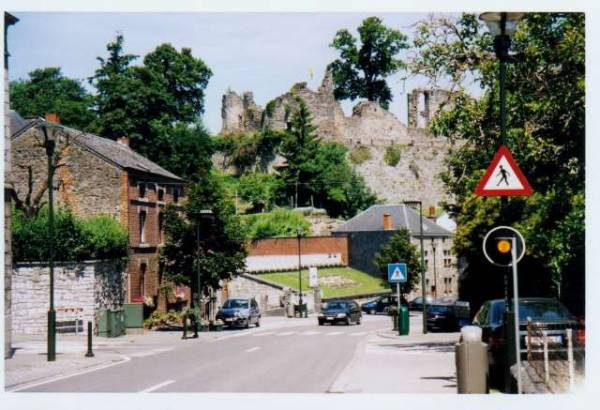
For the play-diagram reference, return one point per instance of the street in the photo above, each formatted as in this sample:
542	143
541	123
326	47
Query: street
283	355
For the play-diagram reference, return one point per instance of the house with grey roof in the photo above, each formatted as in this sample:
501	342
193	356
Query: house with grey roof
94	176
368	231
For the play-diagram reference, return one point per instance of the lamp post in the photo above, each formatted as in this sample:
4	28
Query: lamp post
434	270
299	236
502	26
423	293
206	217
49	130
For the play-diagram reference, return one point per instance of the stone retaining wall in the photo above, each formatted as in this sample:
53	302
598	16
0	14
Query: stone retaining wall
85	287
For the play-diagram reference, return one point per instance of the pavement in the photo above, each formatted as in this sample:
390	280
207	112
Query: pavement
283	355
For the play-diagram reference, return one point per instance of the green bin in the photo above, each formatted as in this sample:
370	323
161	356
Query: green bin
111	323
403	322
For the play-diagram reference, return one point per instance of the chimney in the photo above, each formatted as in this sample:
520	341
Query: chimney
123	141
52	117
432	211
387	222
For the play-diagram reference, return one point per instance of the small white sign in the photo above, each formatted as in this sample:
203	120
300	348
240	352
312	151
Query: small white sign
313	277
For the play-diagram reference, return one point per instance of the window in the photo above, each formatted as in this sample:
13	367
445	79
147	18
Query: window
141	190
160	227
175	195
142	279
142	226
161	194
447	263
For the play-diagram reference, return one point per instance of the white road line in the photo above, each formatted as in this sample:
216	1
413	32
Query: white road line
310	333
158	386
263	334
151	352
285	333
333	333
254	349
357	334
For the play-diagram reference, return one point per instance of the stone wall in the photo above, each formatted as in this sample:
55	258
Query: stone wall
415	177
88	286
85	183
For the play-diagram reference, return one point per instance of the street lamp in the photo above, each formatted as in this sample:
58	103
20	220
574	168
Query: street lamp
50	130
423	293
299	236
502	25
434	271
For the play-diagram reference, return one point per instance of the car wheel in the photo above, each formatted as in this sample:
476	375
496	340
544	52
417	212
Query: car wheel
347	323
247	325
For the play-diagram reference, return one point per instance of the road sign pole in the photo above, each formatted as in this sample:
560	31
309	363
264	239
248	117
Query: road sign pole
516	311
398	292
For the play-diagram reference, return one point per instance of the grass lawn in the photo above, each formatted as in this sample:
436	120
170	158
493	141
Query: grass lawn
334	282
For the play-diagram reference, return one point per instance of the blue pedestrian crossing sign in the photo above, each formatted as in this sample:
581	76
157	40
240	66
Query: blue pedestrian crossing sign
397	272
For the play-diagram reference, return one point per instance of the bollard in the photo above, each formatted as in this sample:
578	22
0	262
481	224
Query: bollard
471	362
184	328
89	341
195	336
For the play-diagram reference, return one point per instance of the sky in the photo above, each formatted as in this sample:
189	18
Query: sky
265	53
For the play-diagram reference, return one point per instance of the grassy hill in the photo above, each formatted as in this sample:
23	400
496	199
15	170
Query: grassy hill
334	282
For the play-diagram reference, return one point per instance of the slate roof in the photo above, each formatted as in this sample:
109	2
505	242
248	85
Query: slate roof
111	151
402	217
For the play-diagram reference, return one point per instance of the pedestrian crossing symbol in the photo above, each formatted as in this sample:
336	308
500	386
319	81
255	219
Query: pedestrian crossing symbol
397	272
503	177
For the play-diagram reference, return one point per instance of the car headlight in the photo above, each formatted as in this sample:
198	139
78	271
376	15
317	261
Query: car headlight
341	315
321	315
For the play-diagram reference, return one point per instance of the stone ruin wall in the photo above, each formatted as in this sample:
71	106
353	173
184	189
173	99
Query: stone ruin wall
415	177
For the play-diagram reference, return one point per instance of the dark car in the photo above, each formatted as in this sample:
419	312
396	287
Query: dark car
417	303
336	311
441	318
545	313
381	304
239	312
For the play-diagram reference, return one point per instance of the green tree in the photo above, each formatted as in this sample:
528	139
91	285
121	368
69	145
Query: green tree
280	222
259	189
546	135
154	103
222	240
48	91
361	70
399	249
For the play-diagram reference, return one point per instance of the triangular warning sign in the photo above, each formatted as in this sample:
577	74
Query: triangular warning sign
397	274
503	177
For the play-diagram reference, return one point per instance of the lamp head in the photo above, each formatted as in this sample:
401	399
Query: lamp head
501	23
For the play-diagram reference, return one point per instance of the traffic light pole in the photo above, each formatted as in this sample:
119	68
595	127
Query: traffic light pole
516	310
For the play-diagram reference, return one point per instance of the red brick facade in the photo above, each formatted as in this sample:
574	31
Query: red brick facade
289	246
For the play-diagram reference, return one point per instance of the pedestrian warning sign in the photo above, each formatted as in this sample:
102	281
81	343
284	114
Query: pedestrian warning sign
397	272
503	177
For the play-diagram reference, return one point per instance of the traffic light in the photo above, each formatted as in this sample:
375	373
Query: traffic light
498	243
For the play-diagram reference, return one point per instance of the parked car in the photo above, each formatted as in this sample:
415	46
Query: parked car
239	313
441	317
417	303
381	304
545	313
336	311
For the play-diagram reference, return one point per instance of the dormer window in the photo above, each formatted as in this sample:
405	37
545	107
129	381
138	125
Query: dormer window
161	194
141	190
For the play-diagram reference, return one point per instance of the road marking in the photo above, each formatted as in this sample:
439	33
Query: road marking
124	359
285	333
333	333
151	352
358	334
254	349
263	334
158	386
310	333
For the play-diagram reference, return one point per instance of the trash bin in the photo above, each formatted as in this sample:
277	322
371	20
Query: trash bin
403	321
134	316
111	323
471	362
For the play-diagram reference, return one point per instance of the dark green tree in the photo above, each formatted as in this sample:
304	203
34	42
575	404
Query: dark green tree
546	135
399	250
48	91
222	240
362	69
259	189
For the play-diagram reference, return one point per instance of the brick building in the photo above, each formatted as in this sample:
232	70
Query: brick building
100	176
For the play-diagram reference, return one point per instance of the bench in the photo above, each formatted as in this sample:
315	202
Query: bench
68	320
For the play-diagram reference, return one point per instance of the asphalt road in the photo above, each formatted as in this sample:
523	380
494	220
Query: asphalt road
306	358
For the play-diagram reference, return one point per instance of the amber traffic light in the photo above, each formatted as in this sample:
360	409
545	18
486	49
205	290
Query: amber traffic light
503	246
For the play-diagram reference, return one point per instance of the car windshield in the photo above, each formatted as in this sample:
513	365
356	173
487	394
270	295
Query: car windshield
236	303
542	310
335	305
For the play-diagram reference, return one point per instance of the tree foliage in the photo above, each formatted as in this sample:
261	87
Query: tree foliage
546	130
47	90
259	189
221	241
399	250
279	222
362	69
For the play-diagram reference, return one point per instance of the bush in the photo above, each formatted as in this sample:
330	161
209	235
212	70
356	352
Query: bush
392	155
280	222
100	237
359	155
159	319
